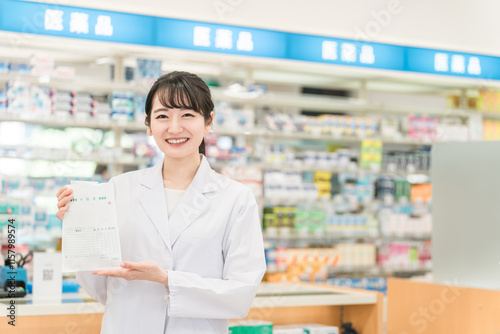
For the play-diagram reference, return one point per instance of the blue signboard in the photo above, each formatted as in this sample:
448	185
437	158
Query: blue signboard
99	25
73	22
202	36
453	63
345	52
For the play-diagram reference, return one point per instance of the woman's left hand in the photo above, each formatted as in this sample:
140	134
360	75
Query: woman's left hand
143	270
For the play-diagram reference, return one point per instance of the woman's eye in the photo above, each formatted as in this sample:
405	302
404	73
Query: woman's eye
189	115
161	116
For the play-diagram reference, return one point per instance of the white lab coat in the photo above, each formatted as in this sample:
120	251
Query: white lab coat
211	247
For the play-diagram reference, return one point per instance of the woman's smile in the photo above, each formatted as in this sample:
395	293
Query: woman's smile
177	141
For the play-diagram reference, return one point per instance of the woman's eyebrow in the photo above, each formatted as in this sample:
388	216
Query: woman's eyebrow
160	109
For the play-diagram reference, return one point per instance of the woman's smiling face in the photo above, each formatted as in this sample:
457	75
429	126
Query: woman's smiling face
178	132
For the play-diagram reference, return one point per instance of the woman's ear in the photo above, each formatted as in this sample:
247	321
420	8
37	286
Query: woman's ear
148	129
208	126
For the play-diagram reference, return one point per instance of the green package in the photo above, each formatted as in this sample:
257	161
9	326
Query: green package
250	327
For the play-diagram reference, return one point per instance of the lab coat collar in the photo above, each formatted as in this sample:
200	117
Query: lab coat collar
192	205
202	180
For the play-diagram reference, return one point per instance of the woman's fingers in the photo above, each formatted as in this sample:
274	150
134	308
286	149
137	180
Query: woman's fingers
141	265
60	213
65	193
62	202
60	191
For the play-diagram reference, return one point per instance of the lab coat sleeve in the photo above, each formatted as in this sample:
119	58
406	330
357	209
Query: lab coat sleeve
96	286
193	296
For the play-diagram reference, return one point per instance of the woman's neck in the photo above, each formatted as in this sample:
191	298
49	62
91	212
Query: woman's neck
178	173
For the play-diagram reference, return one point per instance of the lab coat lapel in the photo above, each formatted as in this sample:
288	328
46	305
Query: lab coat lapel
194	202
154	203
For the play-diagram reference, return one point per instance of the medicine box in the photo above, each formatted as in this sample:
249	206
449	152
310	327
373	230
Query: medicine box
250	327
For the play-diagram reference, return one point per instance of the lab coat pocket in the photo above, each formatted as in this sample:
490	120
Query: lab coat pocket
200	254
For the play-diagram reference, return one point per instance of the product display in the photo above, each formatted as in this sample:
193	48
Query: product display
264	327
306	329
370	283
42	101
336	126
423	128
234	119
148	69
33	219
491	130
224	150
123	106
251	177
314	264
405	255
371	155
250	327
406	161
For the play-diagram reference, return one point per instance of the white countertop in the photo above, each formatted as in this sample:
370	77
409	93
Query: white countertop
268	295
288	295
71	303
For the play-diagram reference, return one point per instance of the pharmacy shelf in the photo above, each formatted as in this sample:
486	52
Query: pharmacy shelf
301	101
406	237
76	84
489	115
131	161
374	270
377	270
320	240
275	135
304	101
337	270
317	168
330	104
406	270
72	122
334	237
58	122
331	237
28	196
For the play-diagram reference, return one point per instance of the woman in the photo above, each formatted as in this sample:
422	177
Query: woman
191	239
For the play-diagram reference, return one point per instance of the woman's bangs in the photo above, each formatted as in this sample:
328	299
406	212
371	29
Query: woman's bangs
177	98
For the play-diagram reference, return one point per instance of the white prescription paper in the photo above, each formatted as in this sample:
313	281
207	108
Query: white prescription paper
90	239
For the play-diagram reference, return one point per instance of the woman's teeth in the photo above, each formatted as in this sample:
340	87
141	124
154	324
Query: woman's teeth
176	141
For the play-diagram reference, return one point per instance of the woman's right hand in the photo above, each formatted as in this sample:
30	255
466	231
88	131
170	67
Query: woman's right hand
64	195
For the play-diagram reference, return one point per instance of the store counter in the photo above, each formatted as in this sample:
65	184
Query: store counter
281	303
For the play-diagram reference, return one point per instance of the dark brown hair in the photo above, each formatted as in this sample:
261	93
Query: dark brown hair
181	90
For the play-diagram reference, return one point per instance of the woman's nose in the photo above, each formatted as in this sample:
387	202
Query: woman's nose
175	126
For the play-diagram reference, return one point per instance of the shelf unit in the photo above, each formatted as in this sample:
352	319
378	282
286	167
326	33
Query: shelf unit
249	70
266	99
51	121
378	270
131	161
